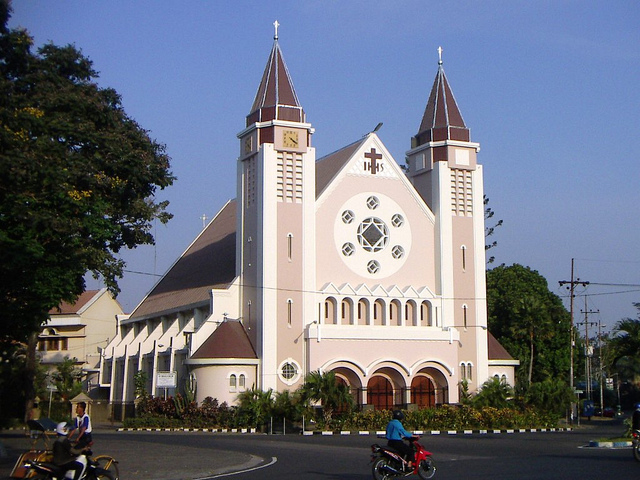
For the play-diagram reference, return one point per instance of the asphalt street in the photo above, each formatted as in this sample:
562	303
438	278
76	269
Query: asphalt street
199	455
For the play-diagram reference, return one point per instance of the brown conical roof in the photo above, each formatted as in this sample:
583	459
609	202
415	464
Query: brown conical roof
442	119
276	98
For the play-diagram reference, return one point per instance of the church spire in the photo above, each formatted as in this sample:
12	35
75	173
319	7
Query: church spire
442	119
276	98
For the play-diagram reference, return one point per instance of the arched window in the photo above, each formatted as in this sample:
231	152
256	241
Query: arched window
380	393
233	382
423	392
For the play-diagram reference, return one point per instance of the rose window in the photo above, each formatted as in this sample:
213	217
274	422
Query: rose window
373	234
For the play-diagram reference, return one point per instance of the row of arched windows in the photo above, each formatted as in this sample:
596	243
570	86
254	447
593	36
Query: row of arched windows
237	383
364	312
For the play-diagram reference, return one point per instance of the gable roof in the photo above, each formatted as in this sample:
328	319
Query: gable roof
496	350
83	300
208	263
328	166
229	340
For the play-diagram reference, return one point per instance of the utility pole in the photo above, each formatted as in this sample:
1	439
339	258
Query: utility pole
588	349
572	285
601	369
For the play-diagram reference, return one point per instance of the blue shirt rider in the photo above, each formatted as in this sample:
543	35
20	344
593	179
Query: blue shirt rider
396	434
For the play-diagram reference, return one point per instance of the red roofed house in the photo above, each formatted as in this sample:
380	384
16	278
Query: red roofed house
346	264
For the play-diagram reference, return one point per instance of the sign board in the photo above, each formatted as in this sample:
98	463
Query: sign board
167	380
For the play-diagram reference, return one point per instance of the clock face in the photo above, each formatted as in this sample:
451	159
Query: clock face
290	139
372	235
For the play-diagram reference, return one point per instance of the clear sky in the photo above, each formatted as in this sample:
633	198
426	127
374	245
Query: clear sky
550	90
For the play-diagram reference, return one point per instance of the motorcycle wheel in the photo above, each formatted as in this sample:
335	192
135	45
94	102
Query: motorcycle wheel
379	474
636	451
108	468
427	468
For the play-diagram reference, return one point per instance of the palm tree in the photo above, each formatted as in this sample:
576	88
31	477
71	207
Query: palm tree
255	406
328	390
531	324
625	343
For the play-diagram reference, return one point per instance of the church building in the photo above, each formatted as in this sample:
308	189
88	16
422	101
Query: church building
347	263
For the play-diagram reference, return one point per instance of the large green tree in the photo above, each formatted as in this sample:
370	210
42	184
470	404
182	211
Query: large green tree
530	321
77	179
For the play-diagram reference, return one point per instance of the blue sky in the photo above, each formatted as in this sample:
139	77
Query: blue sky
548	88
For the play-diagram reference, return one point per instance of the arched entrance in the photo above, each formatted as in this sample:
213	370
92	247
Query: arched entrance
380	393
423	392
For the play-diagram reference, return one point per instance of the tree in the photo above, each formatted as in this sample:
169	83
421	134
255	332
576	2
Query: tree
77	179
255	406
489	231
624	347
67	378
77	183
530	322
328	390
494	393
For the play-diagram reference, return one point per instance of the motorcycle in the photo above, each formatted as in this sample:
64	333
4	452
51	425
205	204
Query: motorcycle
635	444
388	463
100	468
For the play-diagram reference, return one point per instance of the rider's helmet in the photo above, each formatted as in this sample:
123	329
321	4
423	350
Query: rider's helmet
398	415
61	428
637	406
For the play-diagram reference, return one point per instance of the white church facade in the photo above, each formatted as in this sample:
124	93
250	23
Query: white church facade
347	263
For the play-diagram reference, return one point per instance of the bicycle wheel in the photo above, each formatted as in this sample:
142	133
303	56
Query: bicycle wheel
110	465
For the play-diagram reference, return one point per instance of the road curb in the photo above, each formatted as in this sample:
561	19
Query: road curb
350	432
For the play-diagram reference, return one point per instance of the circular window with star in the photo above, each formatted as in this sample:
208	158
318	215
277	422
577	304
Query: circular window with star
372	235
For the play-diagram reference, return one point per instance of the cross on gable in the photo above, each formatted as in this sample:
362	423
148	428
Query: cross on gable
373	164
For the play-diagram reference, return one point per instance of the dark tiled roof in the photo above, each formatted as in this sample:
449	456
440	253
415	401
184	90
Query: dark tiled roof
229	340
497	351
208	263
328	167
71	308
276	97
442	119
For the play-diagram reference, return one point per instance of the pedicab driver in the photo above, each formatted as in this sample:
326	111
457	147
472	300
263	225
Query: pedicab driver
82	425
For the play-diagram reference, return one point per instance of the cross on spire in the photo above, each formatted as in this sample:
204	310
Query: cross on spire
276	25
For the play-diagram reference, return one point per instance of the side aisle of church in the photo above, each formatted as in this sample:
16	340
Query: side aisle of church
344	264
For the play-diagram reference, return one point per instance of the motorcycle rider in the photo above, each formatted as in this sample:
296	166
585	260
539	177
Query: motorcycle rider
396	434
65	455
635	419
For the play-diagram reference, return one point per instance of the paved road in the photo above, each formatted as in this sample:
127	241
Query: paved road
188	456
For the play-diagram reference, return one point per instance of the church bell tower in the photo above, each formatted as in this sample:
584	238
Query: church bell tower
444	169
275	247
